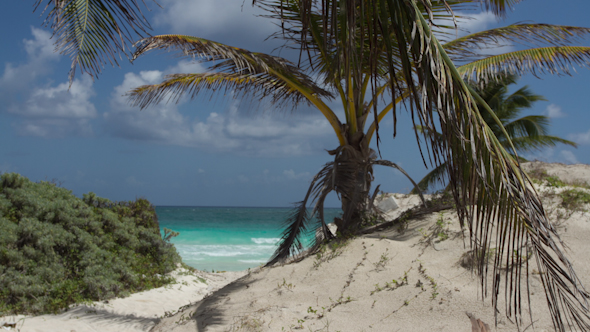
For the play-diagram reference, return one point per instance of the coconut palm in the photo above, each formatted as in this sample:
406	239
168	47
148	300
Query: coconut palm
372	55
526	133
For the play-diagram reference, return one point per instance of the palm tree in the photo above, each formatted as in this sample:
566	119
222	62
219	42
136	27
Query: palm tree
526	133
371	51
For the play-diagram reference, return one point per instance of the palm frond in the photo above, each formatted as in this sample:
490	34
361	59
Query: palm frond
437	175
493	195
177	85
232	67
530	125
525	143
552	60
94	32
499	7
528	34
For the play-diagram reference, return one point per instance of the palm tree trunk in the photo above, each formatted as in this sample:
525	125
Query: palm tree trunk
353	176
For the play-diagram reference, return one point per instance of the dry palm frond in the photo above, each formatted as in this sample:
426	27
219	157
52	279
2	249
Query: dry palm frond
92	32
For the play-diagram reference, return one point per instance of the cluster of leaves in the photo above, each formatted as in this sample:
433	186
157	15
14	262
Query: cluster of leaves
57	249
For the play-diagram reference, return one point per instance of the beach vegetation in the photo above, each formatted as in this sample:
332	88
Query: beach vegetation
378	57
540	176
575	200
57	249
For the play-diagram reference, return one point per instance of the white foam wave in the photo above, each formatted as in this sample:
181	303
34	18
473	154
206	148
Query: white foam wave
195	251
255	261
265	240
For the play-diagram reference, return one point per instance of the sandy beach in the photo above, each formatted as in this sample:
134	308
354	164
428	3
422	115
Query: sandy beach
410	277
137	312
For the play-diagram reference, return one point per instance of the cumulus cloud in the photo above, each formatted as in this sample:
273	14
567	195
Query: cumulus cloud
580	138
238	24
40	52
47	110
229	131
554	111
57	111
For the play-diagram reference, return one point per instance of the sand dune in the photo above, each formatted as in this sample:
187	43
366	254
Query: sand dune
405	278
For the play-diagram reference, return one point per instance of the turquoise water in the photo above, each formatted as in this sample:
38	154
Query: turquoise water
226	238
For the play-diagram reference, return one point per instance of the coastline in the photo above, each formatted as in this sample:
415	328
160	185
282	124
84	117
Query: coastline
410	278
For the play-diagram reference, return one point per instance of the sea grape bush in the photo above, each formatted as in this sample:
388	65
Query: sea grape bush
57	249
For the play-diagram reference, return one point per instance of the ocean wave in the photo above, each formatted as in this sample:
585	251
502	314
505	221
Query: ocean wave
265	240
255	261
208	250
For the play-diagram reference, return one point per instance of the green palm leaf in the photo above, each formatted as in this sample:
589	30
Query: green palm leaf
526	143
529	34
93	32
234	68
177	85
552	60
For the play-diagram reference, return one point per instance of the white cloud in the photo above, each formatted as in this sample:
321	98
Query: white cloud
45	110
57	111
554	111
221	132
467	23
580	138
40	52
475	22
202	18
60	101
292	175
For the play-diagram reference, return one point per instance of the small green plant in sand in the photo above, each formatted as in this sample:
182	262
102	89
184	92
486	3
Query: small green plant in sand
393	285
329	251
433	283
382	260
440	230
285	285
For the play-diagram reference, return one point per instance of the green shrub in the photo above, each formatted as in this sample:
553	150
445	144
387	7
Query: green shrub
57	249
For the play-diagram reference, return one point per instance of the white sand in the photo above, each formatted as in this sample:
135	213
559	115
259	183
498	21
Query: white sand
138	312
351	289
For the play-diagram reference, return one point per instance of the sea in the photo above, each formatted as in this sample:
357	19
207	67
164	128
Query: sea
228	238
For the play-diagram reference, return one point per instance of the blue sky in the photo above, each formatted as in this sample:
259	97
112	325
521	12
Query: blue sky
220	151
